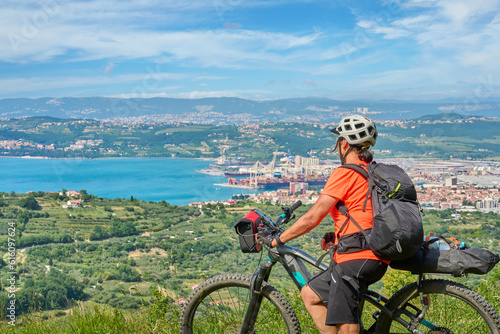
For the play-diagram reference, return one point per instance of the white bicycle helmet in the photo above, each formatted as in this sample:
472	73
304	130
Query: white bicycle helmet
357	130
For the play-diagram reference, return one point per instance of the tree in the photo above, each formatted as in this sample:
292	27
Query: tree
122	229
30	203
98	233
50	290
128	274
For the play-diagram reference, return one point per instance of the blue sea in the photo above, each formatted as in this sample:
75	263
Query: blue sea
173	180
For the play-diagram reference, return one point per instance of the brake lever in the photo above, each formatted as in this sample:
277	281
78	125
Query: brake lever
288	219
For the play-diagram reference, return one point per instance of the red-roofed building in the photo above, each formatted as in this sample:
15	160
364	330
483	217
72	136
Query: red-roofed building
74	203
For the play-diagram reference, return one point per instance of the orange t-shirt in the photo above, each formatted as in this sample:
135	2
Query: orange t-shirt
349	186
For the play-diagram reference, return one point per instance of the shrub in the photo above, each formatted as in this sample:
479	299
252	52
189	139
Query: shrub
30	203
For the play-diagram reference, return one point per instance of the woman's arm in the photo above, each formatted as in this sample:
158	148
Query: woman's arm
310	220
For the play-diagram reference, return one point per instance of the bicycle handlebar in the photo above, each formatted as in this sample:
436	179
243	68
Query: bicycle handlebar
284	218
295	206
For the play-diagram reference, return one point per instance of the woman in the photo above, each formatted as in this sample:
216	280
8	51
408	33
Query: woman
332	297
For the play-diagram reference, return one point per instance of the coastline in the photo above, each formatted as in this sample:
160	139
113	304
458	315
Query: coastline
151	179
233	186
105	158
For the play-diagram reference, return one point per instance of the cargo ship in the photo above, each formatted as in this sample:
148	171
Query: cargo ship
236	174
277	182
236	171
240	170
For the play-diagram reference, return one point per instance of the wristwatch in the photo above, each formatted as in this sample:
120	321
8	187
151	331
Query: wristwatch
278	241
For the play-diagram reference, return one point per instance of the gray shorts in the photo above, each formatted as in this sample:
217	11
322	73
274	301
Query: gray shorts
341	298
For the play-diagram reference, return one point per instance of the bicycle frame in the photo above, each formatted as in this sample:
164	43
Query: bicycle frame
292	259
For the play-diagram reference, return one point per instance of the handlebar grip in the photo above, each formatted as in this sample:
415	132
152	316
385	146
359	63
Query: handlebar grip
295	206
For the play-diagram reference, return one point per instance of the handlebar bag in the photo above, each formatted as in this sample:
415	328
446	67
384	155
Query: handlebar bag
246	228
456	262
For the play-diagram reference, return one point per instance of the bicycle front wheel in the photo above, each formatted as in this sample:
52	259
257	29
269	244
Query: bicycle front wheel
454	308
219	304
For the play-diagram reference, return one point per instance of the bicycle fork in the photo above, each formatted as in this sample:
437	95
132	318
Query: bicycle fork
256	296
417	317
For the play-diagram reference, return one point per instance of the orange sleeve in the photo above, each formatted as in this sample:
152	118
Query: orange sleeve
336	186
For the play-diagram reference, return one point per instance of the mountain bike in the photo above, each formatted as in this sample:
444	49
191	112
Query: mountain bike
240	303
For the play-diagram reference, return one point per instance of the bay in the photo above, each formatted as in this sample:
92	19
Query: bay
151	179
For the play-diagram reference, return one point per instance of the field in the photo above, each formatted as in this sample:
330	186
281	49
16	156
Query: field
443	136
120	259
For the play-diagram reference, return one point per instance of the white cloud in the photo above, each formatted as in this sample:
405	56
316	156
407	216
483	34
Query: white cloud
463	29
210	77
124	29
182	95
414	22
109	67
140	82
426	41
220	48
309	82
390	32
463	10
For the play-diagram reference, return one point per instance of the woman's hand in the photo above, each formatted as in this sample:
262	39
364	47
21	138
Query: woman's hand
328	240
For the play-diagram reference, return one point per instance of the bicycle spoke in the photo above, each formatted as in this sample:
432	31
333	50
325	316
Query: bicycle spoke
220	307
451	314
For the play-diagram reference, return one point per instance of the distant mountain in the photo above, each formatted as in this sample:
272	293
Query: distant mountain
451	116
322	109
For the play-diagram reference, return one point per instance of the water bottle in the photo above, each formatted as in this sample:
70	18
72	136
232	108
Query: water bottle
442	244
436	242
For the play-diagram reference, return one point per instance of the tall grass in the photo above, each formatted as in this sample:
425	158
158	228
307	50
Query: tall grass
161	316
95	319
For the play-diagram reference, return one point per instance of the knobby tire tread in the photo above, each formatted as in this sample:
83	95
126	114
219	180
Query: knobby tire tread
433	286
242	280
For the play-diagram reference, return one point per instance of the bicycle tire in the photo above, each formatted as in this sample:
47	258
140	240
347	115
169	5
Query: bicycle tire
218	305
454	308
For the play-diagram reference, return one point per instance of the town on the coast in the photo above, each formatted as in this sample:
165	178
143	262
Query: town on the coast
459	185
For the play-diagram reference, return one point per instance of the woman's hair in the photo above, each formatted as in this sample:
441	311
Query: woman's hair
363	153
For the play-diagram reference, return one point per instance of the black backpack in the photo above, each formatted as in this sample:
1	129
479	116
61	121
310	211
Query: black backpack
397	232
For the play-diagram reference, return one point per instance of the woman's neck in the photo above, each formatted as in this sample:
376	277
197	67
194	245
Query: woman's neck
352	158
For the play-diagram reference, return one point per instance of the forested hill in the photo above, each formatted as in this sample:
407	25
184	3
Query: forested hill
258	111
115	253
433	136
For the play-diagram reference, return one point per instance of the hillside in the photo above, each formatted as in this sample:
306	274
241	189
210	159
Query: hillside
234	110
442	136
115	252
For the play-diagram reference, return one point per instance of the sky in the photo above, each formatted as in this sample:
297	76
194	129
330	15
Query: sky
417	50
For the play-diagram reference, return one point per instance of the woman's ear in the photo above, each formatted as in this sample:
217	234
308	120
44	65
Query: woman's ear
345	145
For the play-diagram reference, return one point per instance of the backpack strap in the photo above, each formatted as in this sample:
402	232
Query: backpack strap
342	207
362	171
335	266
357	168
343	210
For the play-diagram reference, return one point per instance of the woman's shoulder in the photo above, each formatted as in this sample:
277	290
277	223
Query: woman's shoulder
348	169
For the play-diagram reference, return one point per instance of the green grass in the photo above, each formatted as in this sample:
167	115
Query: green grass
91	318
179	263
162	316
183	129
